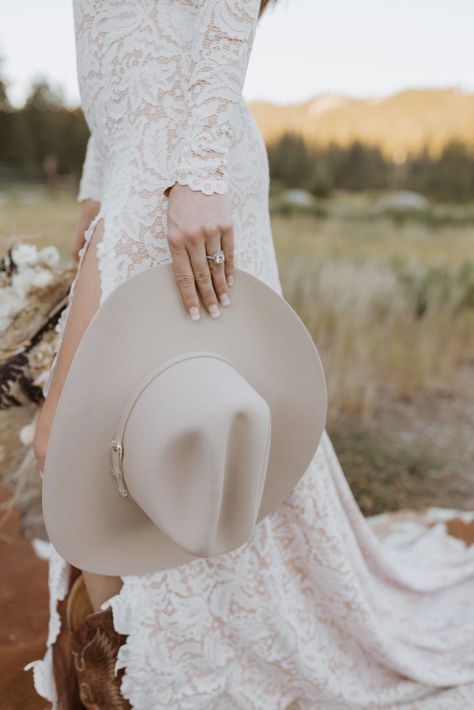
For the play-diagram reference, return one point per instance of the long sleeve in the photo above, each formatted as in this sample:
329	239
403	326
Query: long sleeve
90	186
223	39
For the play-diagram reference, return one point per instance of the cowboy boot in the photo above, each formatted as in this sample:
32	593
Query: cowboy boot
65	677
94	645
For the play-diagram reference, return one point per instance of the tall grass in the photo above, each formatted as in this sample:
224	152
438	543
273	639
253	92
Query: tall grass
391	315
390	303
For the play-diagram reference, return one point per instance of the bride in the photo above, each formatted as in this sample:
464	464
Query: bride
314	611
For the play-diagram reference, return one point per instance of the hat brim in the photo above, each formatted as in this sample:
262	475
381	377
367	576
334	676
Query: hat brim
142	323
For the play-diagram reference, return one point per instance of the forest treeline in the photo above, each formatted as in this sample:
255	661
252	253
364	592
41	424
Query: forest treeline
42	128
45	128
321	170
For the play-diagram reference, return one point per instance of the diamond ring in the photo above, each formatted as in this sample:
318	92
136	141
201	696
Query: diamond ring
218	257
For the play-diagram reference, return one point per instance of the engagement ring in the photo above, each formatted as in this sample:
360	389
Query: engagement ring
218	257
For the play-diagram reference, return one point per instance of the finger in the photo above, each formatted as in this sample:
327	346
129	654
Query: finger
213	244
202	275
184	276
227	242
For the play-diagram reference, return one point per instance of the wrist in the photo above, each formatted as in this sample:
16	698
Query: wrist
204	184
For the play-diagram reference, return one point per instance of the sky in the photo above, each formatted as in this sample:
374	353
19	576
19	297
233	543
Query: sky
302	48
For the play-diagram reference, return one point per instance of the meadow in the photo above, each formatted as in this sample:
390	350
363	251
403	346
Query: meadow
389	300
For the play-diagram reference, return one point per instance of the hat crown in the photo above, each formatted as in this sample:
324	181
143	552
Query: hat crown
195	452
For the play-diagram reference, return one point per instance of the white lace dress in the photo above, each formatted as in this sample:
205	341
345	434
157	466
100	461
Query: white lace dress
317	610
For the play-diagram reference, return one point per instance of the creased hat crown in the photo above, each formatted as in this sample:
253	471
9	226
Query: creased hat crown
195	452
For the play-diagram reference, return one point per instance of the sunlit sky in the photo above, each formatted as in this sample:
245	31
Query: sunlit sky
302	47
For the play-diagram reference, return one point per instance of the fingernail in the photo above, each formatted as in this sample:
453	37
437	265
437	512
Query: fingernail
230	280
214	311
194	312
224	299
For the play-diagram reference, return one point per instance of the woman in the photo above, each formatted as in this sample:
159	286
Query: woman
312	612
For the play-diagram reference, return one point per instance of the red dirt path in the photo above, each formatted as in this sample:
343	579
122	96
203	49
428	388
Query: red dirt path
24	613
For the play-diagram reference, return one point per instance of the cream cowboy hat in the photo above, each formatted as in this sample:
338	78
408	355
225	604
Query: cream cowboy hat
173	438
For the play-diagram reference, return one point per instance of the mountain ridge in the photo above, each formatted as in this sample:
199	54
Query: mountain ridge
399	124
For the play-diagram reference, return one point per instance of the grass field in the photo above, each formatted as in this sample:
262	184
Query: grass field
390	303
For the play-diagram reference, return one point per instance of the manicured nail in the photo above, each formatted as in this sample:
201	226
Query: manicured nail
230	280
214	311
194	313
224	299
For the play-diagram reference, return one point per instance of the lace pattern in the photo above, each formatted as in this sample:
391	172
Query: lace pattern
90	186
220	52
314	610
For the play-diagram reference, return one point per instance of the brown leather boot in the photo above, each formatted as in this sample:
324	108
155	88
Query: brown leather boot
94	646
65	676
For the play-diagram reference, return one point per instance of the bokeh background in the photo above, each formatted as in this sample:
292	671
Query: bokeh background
367	111
368	115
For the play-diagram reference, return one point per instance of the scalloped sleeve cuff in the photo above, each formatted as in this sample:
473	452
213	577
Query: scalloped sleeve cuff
223	39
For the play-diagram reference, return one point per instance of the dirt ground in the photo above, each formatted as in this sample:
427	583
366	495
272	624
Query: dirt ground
24	613
444	423
412	454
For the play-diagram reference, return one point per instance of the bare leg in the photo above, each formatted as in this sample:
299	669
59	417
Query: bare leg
84	304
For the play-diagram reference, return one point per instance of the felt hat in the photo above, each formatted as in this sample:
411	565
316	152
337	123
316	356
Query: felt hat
173	438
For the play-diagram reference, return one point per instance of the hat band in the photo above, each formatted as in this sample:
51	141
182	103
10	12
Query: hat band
117	442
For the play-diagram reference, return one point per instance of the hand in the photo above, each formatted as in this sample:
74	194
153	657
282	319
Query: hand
200	224
87	211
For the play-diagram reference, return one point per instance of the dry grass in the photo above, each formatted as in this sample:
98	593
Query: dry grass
359	283
39	218
390	304
391	307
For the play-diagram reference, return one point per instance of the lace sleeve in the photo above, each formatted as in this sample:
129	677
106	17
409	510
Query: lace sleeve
224	34
90	186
